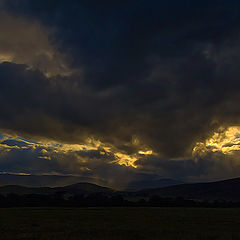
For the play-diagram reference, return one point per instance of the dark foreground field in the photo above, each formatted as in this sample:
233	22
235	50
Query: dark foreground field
119	223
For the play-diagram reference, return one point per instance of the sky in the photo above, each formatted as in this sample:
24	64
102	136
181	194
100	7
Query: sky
120	90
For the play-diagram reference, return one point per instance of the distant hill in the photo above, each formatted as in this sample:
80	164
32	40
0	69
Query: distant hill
21	190
147	184
85	188
225	190
44	180
80	188
63	180
228	190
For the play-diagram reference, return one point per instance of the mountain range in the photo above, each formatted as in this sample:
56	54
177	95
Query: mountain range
220	190
63	180
227	190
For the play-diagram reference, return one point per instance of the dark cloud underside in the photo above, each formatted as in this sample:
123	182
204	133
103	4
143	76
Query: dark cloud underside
164	72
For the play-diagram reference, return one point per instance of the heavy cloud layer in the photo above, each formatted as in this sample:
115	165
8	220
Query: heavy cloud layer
161	75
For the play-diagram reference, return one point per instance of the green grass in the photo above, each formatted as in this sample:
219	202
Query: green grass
120	223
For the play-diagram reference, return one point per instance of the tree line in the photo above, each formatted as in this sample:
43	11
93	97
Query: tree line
60	199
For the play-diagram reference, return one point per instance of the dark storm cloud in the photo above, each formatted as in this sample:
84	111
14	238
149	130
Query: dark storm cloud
23	160
166	72
28	42
24	157
10	142
212	166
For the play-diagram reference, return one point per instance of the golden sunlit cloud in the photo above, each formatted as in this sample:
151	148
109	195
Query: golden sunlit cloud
224	140
5	58
45	157
127	160
93	144
17	173
49	147
148	152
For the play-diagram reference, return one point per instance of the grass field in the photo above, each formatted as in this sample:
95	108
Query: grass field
120	223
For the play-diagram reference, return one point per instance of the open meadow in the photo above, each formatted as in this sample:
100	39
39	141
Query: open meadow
119	223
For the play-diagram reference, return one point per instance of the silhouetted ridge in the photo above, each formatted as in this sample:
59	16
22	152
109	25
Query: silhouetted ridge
226	189
224	193
88	187
78	188
147	184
